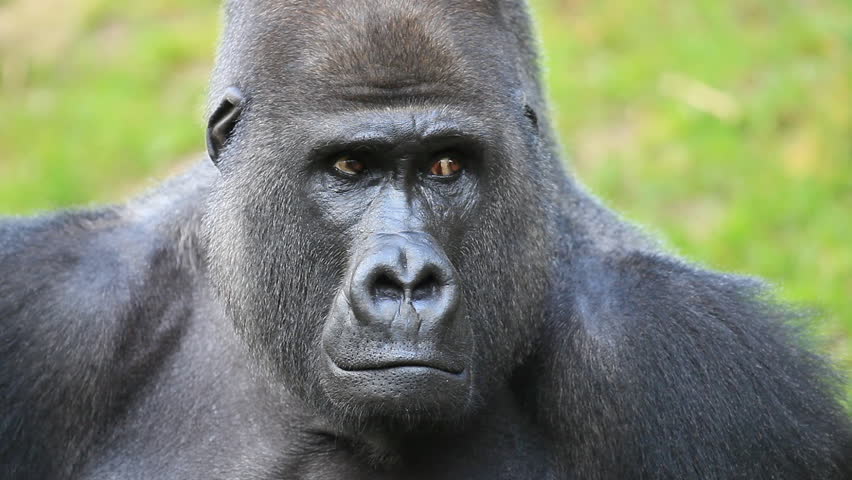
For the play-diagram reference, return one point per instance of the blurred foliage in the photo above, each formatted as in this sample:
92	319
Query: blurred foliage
725	125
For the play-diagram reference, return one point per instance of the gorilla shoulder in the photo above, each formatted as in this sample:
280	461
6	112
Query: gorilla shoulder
83	266
54	263
618	322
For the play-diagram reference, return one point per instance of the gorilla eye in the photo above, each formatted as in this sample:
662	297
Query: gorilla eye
349	166
445	166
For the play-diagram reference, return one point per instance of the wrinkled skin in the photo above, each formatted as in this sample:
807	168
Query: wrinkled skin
383	271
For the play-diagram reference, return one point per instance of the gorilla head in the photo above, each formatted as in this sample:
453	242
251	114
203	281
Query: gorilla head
379	232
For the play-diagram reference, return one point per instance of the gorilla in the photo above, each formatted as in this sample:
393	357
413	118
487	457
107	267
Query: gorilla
383	271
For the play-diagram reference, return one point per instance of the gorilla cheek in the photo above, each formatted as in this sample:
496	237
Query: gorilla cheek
276	286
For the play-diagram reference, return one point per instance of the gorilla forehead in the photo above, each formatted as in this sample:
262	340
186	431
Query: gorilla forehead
359	48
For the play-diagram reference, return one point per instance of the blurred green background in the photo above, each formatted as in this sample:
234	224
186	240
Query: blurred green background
725	126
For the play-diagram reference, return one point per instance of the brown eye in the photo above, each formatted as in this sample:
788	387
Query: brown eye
445	166
349	165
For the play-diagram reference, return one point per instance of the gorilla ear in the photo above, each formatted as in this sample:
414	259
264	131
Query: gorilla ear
529	112
222	122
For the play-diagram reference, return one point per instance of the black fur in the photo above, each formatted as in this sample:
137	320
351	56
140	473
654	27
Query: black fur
178	336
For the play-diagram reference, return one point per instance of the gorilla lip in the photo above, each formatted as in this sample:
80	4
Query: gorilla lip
401	363
398	361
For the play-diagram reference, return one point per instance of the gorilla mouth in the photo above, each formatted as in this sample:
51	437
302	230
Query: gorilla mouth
403	361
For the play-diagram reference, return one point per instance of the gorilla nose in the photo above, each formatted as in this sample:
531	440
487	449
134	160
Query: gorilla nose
388	283
403	277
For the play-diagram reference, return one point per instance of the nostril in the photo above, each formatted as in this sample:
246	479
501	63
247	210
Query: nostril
384	287
426	288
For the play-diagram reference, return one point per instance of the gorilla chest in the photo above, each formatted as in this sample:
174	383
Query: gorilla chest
298	455
463	457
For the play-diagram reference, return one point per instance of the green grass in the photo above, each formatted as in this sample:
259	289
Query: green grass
727	127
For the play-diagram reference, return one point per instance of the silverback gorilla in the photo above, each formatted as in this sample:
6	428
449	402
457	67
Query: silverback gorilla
384	272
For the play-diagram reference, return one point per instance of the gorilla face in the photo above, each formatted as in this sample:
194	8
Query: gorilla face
377	233
400	183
